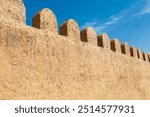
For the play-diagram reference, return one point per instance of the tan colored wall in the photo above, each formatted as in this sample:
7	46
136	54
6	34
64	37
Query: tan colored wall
35	65
39	64
13	9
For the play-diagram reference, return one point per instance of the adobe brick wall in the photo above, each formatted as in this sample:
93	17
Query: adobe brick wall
36	63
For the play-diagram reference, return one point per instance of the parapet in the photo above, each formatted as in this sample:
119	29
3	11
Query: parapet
45	20
103	41
133	52
71	29
13	9
89	35
125	49
145	56
115	45
140	54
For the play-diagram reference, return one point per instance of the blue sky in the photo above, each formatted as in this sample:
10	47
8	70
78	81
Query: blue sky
127	20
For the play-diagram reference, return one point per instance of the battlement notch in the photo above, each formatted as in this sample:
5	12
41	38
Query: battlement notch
89	35
115	45
133	52
145	56
125	49
71	29
103	41
140	54
149	57
45	20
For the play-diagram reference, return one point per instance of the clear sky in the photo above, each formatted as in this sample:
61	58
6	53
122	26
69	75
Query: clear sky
127	20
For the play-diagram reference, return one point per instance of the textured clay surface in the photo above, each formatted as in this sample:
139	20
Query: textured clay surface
13	9
37	64
46	20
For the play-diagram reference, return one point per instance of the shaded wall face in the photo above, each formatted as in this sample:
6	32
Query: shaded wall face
36	65
13	9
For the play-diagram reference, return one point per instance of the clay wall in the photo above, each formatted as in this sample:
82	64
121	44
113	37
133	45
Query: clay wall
38	62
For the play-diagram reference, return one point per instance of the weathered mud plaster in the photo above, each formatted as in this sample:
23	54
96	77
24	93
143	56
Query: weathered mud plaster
39	63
